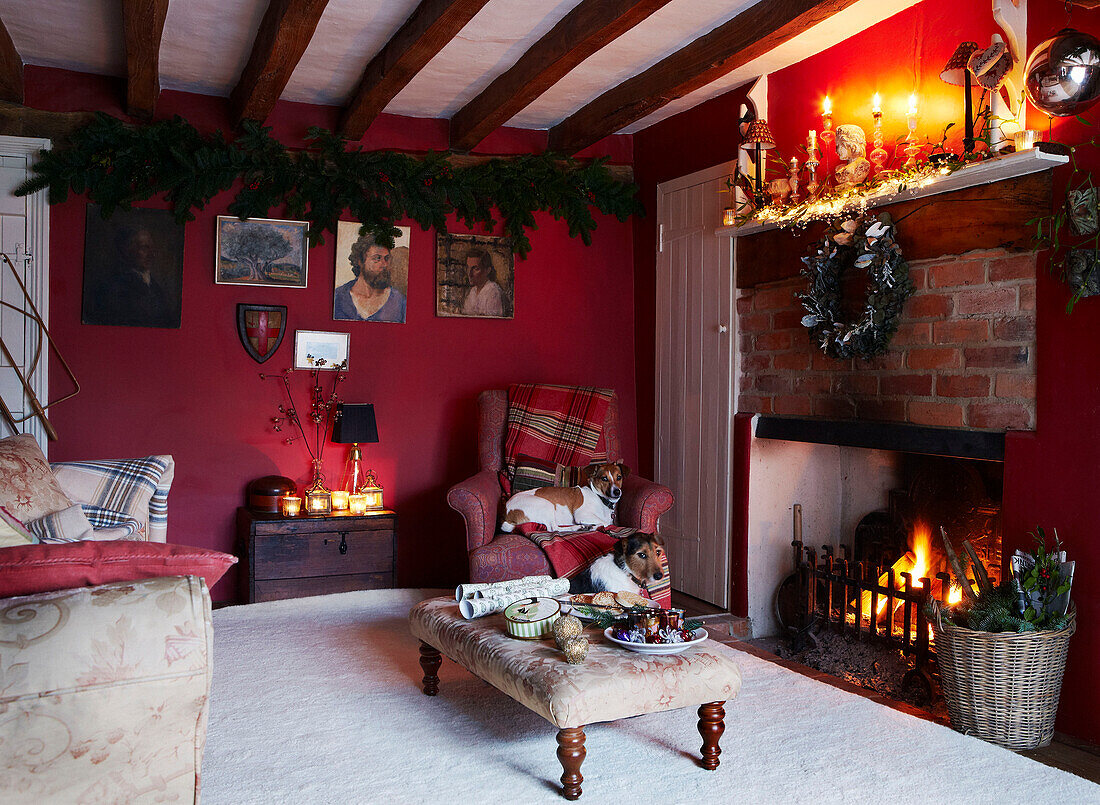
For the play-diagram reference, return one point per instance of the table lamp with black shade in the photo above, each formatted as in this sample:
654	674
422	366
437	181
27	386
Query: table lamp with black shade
355	424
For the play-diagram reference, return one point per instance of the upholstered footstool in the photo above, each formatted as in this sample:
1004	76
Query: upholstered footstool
611	683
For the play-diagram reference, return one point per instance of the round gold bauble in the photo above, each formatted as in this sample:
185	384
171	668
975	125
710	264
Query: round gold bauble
566	628
575	650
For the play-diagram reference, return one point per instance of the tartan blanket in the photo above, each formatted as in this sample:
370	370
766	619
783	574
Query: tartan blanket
572	551
555	423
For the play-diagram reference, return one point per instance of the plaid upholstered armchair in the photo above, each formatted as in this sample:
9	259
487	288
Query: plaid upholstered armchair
496	556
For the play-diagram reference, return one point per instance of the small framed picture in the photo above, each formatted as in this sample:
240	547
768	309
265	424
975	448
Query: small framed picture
261	251
315	349
474	277
372	281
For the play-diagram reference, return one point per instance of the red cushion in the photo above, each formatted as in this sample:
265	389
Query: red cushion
28	569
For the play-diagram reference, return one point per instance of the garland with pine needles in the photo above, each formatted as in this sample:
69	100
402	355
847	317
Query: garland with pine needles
116	165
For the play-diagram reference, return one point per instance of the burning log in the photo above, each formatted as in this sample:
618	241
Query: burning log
980	575
957	568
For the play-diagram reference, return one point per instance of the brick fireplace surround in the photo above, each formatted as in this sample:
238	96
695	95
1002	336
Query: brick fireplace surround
963	356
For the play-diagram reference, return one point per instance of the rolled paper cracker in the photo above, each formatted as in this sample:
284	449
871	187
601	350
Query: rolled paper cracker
488	589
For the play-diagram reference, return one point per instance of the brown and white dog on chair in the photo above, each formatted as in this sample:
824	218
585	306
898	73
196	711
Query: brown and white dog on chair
570	508
634	562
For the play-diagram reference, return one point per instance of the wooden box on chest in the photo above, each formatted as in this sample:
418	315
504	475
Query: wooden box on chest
292	557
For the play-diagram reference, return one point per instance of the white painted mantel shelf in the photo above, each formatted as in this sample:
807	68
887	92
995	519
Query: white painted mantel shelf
997	169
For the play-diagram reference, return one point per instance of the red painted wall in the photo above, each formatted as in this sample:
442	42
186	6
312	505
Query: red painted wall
1049	476
196	394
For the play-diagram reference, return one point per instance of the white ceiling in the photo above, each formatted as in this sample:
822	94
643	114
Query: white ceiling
206	45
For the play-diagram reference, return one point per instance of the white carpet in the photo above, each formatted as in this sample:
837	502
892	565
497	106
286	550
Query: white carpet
318	700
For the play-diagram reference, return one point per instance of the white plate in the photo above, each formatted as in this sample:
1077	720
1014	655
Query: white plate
658	648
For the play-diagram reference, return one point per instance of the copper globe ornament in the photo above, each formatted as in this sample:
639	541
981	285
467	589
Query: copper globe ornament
1063	73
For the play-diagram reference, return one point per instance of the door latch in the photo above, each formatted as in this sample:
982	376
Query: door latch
343	542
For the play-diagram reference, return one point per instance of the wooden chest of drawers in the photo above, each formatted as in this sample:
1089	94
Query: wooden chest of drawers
291	557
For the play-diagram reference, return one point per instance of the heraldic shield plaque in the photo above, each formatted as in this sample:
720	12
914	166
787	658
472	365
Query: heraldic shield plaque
261	328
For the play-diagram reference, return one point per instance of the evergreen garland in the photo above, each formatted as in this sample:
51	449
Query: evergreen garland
116	164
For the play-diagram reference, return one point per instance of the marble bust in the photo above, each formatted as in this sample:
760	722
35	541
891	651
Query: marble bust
851	147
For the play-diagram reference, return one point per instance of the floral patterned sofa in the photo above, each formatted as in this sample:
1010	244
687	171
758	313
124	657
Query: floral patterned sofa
104	689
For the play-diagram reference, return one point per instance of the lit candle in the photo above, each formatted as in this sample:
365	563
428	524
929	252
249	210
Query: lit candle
357	504
876	105
318	502
811	145
827	134
912	113
339	500
290	505
729	218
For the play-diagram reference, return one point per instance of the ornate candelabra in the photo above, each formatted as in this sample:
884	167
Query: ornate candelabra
827	133
793	178
879	155
911	148
811	165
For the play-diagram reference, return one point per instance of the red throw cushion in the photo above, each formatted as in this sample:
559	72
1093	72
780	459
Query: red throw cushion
28	569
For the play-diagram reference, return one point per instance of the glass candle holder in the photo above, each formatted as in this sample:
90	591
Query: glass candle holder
1025	140
290	505
357	504
729	216
339	500
318	502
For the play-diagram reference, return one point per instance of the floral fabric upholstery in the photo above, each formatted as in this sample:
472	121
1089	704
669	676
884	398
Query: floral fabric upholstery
104	692
611	683
27	487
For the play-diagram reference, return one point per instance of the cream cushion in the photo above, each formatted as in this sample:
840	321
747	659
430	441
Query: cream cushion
13	532
28	488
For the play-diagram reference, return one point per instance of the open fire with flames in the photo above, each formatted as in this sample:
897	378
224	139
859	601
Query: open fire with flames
922	562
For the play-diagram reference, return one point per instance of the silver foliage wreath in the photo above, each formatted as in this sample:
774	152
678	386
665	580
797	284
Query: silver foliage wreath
865	243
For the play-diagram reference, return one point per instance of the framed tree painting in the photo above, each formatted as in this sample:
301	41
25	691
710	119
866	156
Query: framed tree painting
133	268
261	251
372	282
474	276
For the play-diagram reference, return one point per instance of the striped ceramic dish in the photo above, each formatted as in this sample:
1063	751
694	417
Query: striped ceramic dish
531	618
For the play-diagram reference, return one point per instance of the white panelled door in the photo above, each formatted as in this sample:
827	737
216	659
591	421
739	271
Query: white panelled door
24	238
694	377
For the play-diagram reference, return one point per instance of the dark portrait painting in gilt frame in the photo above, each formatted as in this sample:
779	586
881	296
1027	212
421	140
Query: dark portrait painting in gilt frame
133	268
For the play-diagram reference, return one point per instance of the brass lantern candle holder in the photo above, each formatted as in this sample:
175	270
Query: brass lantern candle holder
371	490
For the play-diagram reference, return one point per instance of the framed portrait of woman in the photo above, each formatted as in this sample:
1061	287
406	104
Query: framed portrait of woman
474	277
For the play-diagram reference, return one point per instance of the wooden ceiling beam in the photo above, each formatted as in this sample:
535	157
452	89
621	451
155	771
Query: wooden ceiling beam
750	34
142	29
11	69
578	35
283	37
424	34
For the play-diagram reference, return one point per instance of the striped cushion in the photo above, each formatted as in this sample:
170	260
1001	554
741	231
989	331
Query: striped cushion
123	493
533	473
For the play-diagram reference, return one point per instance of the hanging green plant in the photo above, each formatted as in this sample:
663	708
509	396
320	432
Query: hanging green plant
116	165
864	243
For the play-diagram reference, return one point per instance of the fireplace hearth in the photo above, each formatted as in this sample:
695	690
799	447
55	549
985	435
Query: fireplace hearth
875	585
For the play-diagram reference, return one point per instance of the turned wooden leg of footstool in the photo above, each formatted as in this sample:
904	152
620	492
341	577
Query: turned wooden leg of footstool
430	660
571	754
711	726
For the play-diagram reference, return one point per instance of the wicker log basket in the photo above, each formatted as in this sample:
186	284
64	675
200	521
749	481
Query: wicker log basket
1003	687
